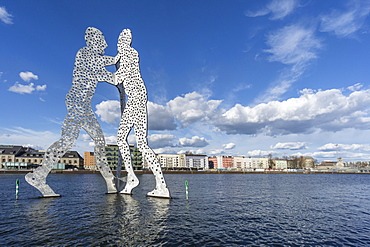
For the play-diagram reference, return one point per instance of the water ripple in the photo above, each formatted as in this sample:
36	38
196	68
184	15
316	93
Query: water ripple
222	210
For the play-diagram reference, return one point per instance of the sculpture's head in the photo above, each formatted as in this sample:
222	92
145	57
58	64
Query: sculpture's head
125	38
95	40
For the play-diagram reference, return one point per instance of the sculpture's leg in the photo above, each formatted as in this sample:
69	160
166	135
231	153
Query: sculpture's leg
131	181
161	189
37	178
92	127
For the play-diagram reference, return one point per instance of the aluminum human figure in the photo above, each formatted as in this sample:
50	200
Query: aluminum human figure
89	69
135	115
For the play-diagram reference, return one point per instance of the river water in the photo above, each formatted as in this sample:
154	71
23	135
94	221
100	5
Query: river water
222	210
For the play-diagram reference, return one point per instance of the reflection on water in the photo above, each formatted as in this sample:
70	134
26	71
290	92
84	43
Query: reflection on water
129	222
222	210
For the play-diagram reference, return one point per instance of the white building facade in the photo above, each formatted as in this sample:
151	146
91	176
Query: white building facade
196	161
241	163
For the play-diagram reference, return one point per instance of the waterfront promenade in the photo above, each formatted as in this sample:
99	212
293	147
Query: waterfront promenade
211	171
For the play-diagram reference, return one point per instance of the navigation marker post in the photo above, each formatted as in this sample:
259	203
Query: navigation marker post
187	189
16	188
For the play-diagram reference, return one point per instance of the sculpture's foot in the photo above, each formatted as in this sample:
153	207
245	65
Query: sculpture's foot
132	182
120	183
39	183
51	195
161	193
111	186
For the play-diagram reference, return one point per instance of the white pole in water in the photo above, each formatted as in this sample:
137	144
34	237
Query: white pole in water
16	188
187	189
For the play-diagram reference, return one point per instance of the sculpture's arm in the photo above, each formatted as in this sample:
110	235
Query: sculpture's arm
106	76
109	60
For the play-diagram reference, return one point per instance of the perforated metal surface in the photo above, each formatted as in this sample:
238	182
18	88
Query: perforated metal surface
135	116
89	69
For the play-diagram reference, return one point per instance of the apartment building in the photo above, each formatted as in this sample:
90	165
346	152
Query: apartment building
89	161
113	157
172	161
18	157
199	161
241	163
220	162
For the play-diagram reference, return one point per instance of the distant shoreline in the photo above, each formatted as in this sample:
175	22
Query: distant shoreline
190	172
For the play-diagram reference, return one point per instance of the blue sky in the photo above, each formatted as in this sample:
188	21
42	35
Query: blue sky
243	78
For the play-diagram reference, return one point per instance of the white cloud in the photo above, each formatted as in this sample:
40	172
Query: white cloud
292	45
5	16
187	109
193	107
351	147
346	23
163	151
160	118
161	140
195	141
216	152
109	111
328	110
111	139
191	151
28	76
355	87
22	89
289	145
278	9
36	147
229	146
22	136
41	88
260	153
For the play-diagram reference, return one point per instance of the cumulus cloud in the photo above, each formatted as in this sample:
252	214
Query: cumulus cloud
349	147
195	141
277	8
193	107
161	140
160	118
328	110
36	147
163	151
187	109
289	145
111	139
5	16
259	153
109	111
191	151
346	23
216	152
28	76
229	146
26	89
